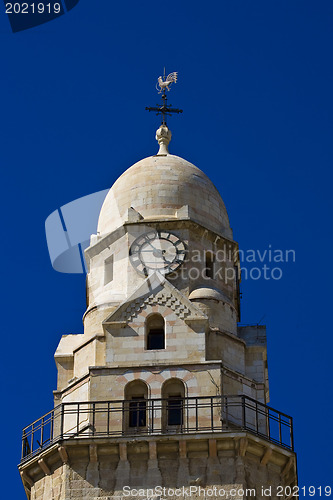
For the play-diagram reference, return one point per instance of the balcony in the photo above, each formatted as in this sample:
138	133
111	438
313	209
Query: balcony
157	417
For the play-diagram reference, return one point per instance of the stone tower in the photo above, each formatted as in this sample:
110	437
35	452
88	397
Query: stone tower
163	392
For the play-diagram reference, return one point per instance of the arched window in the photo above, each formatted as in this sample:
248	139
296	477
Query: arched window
155	332
173	394
209	269
136	395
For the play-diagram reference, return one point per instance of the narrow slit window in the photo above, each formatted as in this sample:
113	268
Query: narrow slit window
209	269
108	270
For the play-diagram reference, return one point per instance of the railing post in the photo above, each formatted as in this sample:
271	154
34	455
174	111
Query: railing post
137	420
93	419
257	426
23	445
152	416
52	426
108	423
180	407
32	437
211	413
188	407
62	421
226	411
291	433
42	432
78	419
243	413
196	415
123	417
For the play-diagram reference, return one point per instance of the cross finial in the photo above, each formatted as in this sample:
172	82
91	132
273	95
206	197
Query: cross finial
164	109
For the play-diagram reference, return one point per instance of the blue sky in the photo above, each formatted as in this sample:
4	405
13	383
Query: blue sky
255	83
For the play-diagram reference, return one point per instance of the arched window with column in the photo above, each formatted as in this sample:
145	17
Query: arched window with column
173	394
155	332
136	395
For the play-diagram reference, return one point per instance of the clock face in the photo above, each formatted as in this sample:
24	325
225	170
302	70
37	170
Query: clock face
157	251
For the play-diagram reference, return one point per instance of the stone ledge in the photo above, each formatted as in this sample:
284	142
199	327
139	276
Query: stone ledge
226	450
227	440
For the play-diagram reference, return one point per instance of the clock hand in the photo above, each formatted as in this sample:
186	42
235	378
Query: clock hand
159	252
167	261
151	244
155	251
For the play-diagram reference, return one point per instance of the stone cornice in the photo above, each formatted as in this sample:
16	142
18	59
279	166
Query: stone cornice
160	366
240	443
225	333
108	239
242	378
80	346
74	384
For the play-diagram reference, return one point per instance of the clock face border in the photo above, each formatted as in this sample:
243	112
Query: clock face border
158	245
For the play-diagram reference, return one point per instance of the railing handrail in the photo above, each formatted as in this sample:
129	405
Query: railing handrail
111	401
225	396
254	416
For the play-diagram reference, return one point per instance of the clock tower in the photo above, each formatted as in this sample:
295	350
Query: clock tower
163	392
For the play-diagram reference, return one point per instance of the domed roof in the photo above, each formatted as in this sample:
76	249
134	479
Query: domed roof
209	294
158	186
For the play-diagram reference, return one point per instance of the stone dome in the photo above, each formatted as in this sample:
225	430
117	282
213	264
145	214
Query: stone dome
159	186
209	294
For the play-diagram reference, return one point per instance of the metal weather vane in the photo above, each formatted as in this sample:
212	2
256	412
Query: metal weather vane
164	82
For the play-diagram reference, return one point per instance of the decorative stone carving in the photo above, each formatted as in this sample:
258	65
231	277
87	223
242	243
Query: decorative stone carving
163	137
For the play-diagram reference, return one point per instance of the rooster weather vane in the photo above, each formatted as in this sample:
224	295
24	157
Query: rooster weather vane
163	84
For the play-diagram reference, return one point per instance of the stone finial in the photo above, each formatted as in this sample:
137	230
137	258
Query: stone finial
163	137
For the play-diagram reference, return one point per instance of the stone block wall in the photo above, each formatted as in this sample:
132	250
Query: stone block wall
230	468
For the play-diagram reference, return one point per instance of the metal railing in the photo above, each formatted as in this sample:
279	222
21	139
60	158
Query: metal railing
148	417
